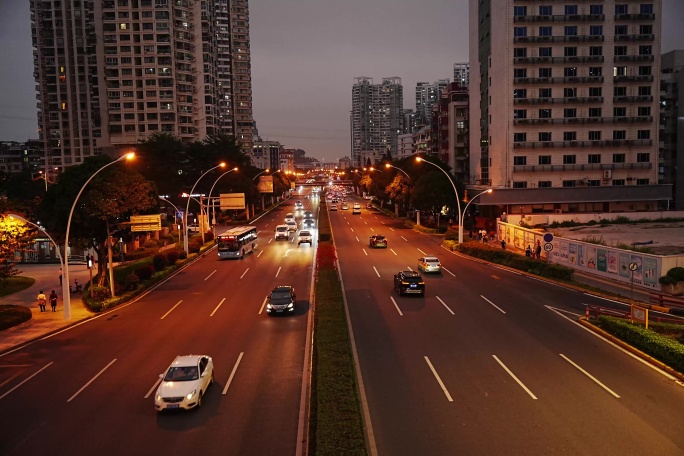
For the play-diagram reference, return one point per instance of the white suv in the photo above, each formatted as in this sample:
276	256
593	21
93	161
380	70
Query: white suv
304	238
282	232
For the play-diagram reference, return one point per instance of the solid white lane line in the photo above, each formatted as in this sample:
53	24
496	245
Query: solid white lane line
28	378
522	385
364	251
17	374
439	380
546	282
243	274
232	374
357	239
645	363
395	305
422	252
153	387
606	299
444	304
171	310
278	271
445	269
403	238
376	271
382	223
391	229
261	252
497	307
589	375
392	250
371	228
207	277
263	304
91	380
365	223
504	269
217	307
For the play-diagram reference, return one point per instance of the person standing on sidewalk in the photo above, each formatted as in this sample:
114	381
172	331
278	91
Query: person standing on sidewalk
537	250
42	301
53	301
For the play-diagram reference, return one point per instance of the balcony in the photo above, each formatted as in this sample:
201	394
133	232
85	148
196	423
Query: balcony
633	99
635	17
561	18
641	37
580	167
540	60
634	58
612	143
630	119
558	39
635	78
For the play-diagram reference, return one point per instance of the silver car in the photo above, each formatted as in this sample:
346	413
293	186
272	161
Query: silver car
429	264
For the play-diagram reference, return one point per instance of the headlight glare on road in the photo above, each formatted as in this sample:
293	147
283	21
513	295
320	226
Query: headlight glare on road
192	393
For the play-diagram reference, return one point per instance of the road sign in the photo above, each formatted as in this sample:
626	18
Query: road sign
141	223
633	266
548	247
548	237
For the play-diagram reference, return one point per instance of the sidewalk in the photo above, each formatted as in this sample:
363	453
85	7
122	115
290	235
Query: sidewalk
42	323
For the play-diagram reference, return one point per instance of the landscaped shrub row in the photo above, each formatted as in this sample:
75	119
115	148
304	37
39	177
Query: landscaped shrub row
673	276
660	347
512	260
324	233
425	229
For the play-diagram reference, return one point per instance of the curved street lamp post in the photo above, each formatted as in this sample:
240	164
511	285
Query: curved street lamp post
65	289
177	212
187	206
465	209
458	200
213	213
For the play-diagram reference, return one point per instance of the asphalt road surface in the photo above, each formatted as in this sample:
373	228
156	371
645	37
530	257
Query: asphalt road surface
89	390
491	362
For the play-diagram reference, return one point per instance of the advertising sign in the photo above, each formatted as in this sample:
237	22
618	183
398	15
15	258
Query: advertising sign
265	184
232	201
145	222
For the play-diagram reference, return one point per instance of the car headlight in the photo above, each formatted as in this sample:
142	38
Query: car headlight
192	394
269	306
159	398
290	305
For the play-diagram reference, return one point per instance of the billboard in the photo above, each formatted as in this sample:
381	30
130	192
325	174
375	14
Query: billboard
232	201
145	223
265	184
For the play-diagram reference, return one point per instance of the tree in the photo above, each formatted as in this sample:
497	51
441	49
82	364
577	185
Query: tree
162	158
399	189
15	236
110	198
432	191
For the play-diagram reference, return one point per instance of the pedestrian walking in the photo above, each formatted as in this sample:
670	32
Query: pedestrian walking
60	277
528	251
53	301
42	300
503	244
537	250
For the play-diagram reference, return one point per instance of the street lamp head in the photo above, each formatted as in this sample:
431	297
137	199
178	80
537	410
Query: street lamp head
130	156
222	164
387	165
490	190
235	169
419	159
267	170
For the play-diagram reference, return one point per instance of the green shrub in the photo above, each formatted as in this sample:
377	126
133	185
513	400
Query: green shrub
132	282
209	236
172	256
140	253
100	293
145	272
673	276
182	255
151	244
195	245
13	315
159	262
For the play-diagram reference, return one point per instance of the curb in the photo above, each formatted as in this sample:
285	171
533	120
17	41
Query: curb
651	360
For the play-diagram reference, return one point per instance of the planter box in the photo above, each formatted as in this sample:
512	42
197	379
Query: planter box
677	289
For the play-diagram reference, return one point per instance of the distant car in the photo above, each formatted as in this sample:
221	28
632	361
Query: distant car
193	228
282	232
185	382
304	237
356	209
291	225
282	300
308	223
409	282
333	207
345	206
369	206
289	217
429	264
377	240
308	215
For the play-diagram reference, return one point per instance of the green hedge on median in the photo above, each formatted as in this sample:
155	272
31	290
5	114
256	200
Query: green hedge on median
660	347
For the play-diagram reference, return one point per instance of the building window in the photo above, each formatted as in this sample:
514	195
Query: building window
544	113
520	113
545	159
544	136
519	11
570	51
545	52
621	8
570	10
569	159
123	26
620	50
646	8
619	112
570	30
596	50
570	92
619	91
569	183
645	91
594	136
643	157
621	30
520	72
519	184
544	184
619	134
594	183
544	72
519	161
519	31
570	72
642	182
594	112
646	29
644	71
594	158
644	134
596	30
618	158
520	52
570	113
545	10
569	136
618	182
519	137
595	91
520	93
595	9
545	31
644	111
595	71
645	50
620	71
544	93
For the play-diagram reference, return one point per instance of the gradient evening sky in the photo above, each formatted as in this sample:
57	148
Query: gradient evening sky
305	56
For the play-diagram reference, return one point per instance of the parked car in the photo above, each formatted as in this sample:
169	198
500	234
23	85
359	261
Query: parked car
282	300
377	240
409	282
193	228
304	237
185	382
429	264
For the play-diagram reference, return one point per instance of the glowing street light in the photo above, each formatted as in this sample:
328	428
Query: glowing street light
65	289
187	206
210	192
458	200
387	165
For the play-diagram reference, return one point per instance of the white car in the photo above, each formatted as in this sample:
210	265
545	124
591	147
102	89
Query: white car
282	232
345	206
356	209
333	207
185	382
291	225
304	237
289	217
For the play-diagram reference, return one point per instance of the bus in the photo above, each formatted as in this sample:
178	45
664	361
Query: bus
237	242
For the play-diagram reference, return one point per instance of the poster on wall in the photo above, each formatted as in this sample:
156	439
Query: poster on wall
564	251
601	261
612	260
519	240
624	265
572	253
650	273
591	257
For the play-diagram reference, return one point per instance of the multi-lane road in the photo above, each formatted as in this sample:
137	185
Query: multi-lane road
491	361
89	390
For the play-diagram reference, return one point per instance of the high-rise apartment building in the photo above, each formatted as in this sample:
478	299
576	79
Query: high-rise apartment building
671	157
462	74
427	95
110	73
377	116
565	94
451	130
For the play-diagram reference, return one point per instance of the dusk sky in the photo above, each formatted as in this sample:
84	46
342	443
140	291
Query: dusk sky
305	56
